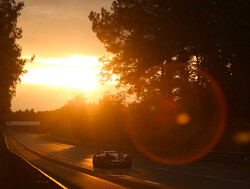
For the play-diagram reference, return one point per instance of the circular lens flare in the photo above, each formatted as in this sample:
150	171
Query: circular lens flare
183	118
202	119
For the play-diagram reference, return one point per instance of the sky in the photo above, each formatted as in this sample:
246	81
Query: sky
59	34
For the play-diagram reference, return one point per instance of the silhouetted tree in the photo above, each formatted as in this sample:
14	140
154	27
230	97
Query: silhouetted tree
147	35
144	36
11	63
109	119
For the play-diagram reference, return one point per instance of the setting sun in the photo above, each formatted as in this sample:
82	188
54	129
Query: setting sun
78	72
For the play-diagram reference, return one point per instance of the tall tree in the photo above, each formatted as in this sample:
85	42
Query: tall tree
11	67
11	63
143	37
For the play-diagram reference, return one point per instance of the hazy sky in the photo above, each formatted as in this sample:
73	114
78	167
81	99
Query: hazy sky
60	28
57	31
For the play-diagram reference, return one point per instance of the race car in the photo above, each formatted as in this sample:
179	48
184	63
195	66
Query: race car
112	159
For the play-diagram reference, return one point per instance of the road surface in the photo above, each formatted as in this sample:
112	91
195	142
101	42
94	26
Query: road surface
72	166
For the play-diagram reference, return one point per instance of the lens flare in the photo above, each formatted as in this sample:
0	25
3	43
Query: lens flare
183	118
181	132
242	137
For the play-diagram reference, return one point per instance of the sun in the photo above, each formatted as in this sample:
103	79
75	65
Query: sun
78	72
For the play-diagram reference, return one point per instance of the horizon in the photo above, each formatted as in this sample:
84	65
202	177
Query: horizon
52	97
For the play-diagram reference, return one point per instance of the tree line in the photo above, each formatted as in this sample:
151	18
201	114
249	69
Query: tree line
150	123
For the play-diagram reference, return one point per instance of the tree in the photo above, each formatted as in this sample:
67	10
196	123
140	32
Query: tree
11	63
147	35
142	44
109	119
78	99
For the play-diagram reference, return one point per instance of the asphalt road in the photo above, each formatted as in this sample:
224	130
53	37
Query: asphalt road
72	166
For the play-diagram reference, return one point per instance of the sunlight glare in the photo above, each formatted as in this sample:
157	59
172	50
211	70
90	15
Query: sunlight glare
75	72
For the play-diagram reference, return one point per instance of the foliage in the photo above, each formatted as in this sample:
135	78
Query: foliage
11	63
145	36
79	120
156	123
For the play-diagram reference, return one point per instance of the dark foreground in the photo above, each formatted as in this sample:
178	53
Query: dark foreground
17	173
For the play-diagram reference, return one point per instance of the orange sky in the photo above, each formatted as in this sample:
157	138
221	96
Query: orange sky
59	33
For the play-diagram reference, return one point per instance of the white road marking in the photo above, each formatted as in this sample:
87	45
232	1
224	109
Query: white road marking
151	182
109	172
205	167
163	169
127	176
227	170
196	174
